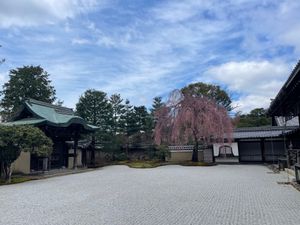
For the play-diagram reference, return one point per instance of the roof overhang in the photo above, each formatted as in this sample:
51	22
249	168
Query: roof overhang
26	121
287	101
42	113
263	132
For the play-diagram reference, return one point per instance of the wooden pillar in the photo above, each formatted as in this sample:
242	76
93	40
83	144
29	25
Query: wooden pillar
60	148
262	148
83	157
274	121
76	137
238	146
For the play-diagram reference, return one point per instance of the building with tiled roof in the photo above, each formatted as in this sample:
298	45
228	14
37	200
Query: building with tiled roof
61	125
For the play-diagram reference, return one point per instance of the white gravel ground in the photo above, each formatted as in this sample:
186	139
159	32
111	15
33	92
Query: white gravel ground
225	194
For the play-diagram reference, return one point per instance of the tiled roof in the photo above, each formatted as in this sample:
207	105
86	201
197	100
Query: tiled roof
262	132
49	114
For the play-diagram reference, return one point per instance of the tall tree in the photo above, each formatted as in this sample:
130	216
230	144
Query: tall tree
14	139
157	103
94	107
192	119
257	117
26	82
210	91
118	109
127	119
143	120
128	122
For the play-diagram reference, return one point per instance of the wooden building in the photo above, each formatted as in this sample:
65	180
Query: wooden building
287	105
287	102
262	144
61	125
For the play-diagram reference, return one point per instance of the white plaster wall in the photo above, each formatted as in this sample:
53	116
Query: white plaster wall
233	145
22	163
70	162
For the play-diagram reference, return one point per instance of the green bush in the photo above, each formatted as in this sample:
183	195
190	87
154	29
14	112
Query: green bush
120	157
162	152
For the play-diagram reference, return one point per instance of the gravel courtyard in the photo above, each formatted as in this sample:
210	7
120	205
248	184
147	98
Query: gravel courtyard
224	194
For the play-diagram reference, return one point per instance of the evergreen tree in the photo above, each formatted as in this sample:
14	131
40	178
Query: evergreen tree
26	82
127	122
210	91
95	108
118	109
14	139
257	117
157	103
127	119
143	120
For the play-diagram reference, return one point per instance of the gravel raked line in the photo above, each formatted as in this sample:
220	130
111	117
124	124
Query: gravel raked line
175	195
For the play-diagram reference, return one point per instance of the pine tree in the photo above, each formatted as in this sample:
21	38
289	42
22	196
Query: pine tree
157	103
118	109
26	82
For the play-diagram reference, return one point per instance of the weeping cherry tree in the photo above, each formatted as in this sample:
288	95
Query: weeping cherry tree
190	118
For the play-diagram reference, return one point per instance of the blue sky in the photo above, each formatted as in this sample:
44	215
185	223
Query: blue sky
142	49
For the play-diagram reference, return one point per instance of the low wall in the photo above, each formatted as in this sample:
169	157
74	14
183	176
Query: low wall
181	156
101	157
22	163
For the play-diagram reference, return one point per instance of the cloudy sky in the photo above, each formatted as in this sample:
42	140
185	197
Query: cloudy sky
143	49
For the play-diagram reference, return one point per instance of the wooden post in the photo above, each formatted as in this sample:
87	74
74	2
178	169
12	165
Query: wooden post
75	151
262	147
288	159
238	146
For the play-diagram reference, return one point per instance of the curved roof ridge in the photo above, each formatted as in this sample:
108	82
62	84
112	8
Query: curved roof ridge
57	108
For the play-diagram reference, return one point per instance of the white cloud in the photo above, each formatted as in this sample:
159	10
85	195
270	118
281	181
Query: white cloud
278	24
178	11
105	41
149	52
246	103
80	41
35	12
255	81
41	38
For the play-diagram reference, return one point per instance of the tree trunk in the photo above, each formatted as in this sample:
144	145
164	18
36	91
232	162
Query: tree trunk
127	149
127	146
7	172
195	152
